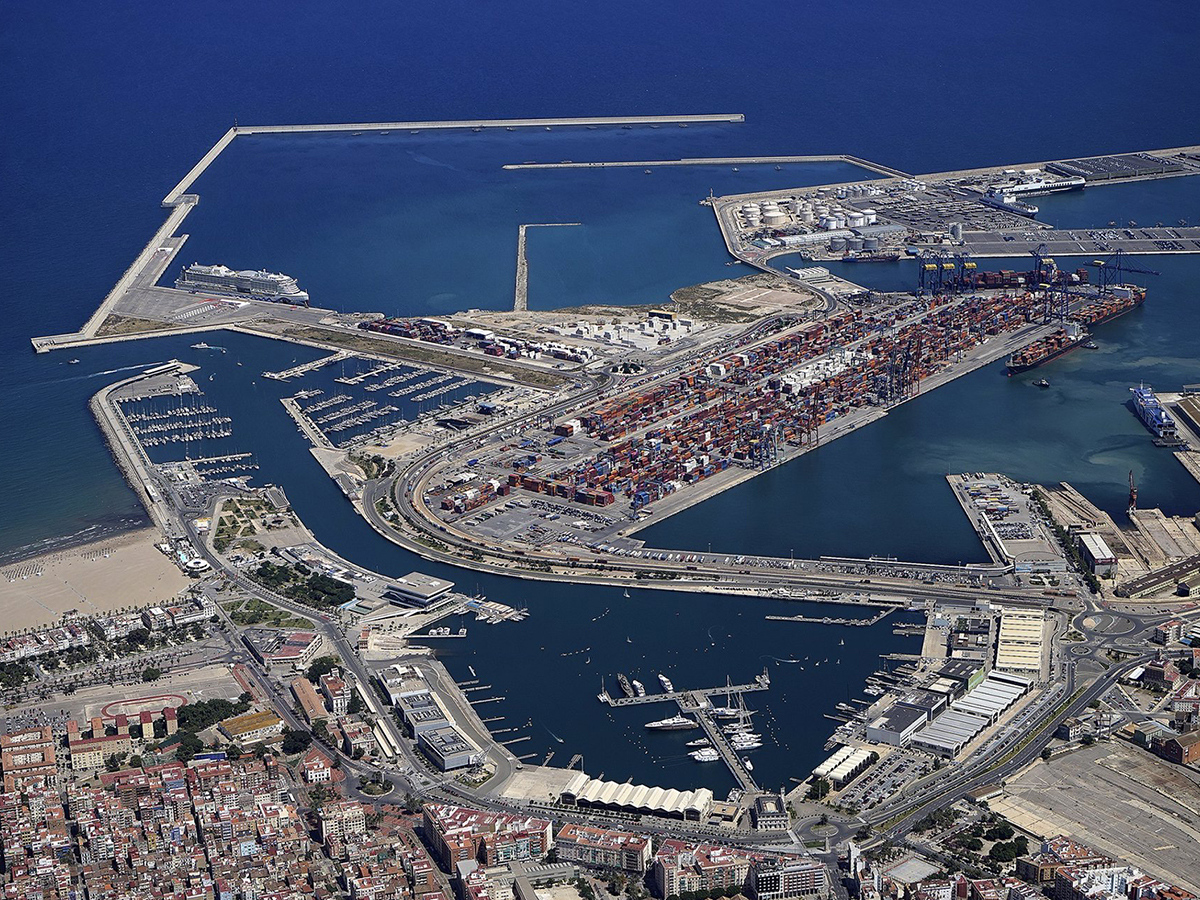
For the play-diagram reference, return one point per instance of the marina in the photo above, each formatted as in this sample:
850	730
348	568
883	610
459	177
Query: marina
697	710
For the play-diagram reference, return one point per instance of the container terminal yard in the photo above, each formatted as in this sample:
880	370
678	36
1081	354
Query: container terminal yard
582	426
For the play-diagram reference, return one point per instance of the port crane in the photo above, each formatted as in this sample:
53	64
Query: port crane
1112	268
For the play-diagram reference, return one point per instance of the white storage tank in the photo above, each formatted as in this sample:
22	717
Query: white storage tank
854	243
856	220
871	243
838	245
871	216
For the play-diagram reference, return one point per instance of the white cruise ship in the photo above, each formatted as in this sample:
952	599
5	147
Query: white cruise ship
260	285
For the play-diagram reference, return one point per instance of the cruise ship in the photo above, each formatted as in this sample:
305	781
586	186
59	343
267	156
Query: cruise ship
1037	185
1154	415
260	285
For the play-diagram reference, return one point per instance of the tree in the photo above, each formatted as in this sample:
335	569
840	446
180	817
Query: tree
818	789
295	741
113	763
1088	739
135	761
1001	831
151	674
322	665
189	746
1047	753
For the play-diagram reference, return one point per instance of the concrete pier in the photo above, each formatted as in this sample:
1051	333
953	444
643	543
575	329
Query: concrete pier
829	620
691	698
156	247
573	121
174	195
310	366
521	293
717	161
729	756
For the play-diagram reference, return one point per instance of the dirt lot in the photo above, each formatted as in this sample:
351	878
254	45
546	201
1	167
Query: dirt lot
1119	800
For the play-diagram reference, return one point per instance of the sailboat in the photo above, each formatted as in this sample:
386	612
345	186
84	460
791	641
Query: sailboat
626	593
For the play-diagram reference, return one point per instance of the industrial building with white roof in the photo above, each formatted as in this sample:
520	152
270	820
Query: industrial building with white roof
691	806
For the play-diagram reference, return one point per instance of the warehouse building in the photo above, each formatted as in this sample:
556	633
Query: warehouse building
896	726
968	716
637	799
1019	645
1096	553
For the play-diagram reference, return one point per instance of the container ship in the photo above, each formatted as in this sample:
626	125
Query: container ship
259	285
1118	300
1122	298
1155	416
1052	346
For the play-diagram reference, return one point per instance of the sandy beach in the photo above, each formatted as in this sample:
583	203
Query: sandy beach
124	570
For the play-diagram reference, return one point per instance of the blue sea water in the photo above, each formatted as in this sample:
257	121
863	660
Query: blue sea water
106	107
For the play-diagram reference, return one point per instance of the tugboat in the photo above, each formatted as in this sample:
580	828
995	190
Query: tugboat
1042	383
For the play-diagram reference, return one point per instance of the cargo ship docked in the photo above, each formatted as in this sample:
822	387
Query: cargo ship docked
260	285
1122	298
1041	351
1155	416
1118	300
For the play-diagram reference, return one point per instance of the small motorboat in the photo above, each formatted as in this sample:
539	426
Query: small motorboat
1042	383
